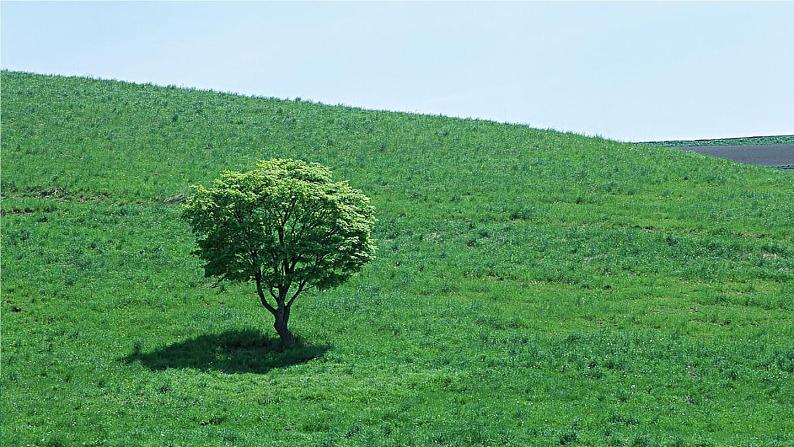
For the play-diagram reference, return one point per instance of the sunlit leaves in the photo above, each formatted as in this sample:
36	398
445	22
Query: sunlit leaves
285	220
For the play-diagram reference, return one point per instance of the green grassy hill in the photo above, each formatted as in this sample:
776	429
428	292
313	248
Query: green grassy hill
532	287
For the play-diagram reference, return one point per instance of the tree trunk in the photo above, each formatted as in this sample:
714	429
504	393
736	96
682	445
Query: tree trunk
282	319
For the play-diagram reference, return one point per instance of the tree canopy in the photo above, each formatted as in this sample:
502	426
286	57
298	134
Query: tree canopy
286	225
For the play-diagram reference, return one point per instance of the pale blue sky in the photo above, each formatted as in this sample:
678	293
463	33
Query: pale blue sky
630	71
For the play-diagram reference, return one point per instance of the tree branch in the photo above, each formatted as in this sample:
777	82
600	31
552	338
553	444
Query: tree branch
259	291
267	305
297	292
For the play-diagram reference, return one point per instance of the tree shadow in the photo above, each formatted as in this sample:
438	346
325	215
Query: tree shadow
238	351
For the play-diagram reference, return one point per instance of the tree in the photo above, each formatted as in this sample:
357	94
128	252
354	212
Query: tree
285	225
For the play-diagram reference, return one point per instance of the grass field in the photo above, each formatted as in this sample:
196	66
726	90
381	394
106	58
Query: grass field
531	288
750	141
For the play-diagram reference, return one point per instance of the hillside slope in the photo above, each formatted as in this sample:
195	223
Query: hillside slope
532	287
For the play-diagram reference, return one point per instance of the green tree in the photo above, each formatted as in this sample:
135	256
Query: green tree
285	225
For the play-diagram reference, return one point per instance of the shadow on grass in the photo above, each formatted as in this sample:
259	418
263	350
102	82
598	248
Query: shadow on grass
241	351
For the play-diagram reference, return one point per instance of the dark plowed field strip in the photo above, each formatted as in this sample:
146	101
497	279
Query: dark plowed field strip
776	155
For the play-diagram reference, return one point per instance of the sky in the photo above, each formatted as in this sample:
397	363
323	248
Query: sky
627	71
